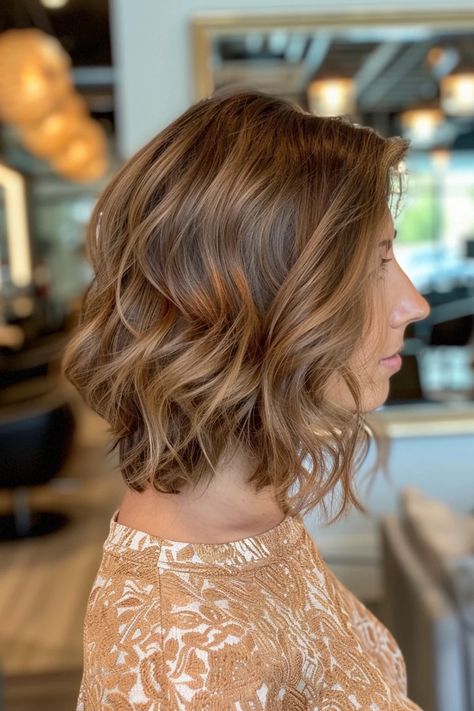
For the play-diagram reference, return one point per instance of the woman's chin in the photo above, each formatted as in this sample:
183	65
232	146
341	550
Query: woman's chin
376	399
374	394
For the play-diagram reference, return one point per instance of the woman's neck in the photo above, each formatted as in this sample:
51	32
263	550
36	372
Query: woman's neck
226	509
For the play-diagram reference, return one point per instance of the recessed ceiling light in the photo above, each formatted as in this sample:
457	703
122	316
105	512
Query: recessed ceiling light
54	4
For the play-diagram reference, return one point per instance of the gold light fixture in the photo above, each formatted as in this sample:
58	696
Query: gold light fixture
420	123
331	96
37	96
89	171
457	91
34	75
440	157
83	157
52	134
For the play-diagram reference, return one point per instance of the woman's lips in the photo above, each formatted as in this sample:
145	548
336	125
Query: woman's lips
394	362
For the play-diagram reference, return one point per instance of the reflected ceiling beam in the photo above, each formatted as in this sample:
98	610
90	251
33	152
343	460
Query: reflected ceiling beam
278	41
314	57
295	48
254	42
374	65
272	75
406	62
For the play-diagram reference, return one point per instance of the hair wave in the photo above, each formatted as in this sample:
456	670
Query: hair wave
231	278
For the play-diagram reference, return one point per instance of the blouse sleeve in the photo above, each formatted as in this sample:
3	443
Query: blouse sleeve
375	637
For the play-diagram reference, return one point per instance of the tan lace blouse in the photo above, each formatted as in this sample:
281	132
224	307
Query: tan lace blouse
259	623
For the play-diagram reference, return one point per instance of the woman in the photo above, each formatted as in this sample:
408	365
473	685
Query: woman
244	310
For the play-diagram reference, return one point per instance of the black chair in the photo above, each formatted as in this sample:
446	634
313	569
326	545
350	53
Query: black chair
35	360
37	426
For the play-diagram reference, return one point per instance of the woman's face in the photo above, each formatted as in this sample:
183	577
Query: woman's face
399	304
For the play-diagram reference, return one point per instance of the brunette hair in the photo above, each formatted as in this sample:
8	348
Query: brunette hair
232	278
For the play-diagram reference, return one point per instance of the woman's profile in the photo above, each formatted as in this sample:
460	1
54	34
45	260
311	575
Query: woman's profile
245	312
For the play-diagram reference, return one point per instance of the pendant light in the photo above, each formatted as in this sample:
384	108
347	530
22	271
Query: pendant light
420	122
87	146
49	136
34	75
331	93
37	96
457	91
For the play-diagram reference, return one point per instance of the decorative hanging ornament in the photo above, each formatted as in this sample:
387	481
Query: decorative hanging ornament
34	75
421	122
331	95
457	91
88	172
84	154
37	95
51	135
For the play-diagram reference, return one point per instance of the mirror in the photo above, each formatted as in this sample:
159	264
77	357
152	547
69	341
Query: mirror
408	74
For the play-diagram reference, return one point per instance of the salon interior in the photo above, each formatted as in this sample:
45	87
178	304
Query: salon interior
85	83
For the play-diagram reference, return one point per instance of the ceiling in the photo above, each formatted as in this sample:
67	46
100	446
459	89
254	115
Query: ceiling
390	66
82	26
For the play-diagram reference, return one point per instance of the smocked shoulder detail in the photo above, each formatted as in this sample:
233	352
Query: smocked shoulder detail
261	549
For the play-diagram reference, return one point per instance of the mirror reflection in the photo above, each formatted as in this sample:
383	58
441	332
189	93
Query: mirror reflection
401	79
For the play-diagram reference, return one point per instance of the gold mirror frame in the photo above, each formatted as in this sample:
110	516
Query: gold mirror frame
205	27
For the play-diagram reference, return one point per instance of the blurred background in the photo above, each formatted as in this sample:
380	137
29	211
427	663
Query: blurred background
83	84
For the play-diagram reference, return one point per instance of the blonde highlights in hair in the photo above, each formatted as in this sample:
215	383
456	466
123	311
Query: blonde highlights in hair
231	278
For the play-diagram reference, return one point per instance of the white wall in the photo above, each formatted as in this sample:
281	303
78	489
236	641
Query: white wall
152	52
441	466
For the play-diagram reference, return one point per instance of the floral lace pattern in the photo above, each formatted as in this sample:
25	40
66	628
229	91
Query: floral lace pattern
256	624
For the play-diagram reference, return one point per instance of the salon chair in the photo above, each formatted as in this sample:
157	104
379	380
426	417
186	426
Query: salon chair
37	426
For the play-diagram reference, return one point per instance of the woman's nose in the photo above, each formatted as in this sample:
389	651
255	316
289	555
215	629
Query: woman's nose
412	306
423	308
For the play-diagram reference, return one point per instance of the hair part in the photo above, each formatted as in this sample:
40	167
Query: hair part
231	279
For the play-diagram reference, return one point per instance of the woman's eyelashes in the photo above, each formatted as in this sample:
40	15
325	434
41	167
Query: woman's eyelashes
384	262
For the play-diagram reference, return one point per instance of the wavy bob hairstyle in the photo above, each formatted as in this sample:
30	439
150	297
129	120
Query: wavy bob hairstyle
232	278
